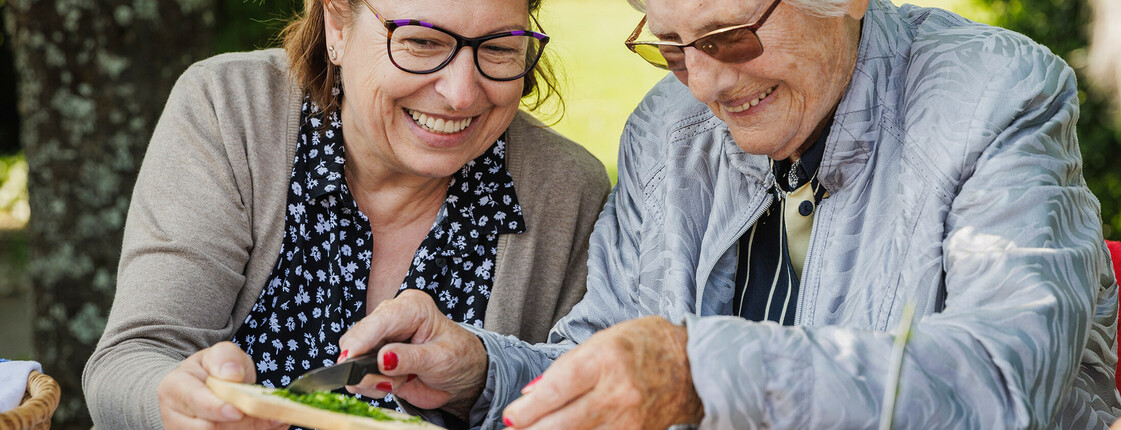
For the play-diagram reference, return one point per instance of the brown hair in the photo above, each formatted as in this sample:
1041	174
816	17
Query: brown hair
306	45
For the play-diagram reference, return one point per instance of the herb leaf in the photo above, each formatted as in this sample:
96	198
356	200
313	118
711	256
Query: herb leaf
340	403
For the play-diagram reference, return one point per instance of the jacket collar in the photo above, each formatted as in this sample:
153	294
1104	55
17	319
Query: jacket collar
867	108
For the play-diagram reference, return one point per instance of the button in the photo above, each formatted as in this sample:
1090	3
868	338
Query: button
806	208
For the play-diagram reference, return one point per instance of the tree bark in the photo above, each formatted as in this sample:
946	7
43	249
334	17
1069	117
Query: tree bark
93	79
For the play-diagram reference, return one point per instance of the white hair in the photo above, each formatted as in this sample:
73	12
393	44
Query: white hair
822	8
1105	51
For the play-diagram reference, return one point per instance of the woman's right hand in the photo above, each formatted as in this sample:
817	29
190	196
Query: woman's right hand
437	363
186	402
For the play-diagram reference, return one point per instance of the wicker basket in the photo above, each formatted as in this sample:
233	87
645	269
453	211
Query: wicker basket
37	407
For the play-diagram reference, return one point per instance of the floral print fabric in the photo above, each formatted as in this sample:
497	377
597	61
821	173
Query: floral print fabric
318	288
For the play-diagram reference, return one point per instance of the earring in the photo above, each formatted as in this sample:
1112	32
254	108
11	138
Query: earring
337	88
332	53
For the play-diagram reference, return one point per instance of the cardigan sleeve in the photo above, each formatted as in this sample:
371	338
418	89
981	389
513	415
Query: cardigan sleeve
186	244
542	273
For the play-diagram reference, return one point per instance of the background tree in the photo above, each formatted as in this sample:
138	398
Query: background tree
1099	127
92	80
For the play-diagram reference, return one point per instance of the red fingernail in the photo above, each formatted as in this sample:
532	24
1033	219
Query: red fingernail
534	381
342	356
506	422
410	378
389	360
384	386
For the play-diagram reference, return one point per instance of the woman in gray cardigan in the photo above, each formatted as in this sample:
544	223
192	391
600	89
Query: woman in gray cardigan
259	231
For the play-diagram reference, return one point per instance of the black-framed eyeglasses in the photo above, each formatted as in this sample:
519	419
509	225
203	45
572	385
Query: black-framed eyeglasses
420	47
735	44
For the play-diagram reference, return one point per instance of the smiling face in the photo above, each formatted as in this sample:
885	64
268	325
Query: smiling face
428	126
774	103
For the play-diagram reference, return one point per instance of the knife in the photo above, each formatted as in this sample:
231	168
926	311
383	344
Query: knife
349	372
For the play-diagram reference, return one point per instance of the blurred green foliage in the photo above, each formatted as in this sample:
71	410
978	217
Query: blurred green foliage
14	210
245	25
602	81
242	25
1060	25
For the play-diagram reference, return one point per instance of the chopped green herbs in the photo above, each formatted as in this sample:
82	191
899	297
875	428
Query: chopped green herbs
340	403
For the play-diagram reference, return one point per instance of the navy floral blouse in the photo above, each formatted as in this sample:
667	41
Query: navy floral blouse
318	288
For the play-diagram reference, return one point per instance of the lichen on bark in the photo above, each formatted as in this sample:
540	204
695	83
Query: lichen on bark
84	127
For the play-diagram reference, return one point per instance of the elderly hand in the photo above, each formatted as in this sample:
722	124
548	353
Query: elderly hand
634	375
441	365
186	402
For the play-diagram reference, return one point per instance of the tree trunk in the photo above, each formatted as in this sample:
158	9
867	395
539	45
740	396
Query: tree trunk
93	79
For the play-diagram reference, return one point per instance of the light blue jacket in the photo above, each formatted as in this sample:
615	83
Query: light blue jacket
955	184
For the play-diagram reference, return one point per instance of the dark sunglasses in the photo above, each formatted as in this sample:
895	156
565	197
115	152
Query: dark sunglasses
735	44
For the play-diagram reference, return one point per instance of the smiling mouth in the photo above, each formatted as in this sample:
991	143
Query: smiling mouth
751	102
438	125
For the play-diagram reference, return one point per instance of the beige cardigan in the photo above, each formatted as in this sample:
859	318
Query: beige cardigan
205	227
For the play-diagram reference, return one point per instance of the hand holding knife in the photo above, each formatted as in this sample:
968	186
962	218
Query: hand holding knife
348	372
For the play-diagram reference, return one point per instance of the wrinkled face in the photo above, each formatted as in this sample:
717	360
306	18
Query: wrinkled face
422	125
772	104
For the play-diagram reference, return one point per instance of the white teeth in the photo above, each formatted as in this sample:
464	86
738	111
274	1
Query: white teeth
752	102
438	125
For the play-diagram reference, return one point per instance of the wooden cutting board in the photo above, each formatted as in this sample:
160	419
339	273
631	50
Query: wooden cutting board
256	401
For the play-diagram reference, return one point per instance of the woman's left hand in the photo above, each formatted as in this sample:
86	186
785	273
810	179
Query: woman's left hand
634	375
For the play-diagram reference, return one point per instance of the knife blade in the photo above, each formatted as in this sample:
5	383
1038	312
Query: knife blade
349	372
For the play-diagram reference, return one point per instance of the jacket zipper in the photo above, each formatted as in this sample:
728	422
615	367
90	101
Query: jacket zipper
800	312
702	281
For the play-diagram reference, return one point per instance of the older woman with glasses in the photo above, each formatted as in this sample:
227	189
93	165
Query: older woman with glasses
862	216
287	193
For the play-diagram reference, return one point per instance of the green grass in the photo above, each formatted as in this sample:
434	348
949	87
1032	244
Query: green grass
14	210
604	80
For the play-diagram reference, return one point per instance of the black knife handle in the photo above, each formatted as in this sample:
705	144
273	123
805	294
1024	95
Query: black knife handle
361	366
